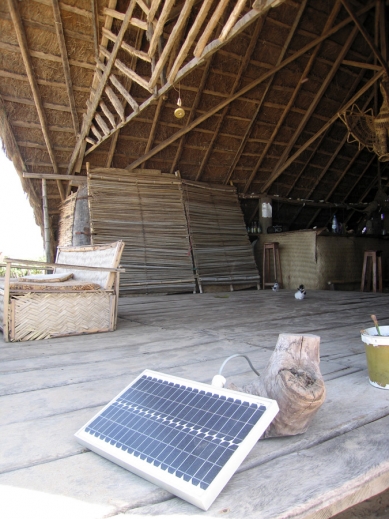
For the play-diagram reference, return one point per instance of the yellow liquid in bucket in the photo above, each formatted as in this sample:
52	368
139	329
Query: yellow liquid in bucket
378	365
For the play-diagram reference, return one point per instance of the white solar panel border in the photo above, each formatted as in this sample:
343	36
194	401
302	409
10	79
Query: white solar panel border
202	498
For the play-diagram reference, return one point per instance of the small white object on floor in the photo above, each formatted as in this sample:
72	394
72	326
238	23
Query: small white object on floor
275	287
301	293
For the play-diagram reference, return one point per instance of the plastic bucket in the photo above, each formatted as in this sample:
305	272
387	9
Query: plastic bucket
377	355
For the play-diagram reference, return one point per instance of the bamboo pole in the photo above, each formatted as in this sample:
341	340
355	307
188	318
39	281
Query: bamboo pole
46	221
22	40
65	64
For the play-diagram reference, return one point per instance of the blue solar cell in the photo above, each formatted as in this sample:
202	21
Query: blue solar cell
175	429
186	431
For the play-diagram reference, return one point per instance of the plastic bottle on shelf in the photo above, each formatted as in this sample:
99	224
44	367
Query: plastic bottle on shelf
335	227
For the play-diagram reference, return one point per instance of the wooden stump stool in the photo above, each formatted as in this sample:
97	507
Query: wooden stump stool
268	250
292	377
372	263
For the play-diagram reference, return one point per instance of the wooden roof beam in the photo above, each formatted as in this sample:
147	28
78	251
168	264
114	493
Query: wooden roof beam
262	100
292	201
100	87
55	84
319	141
369	66
243	65
311	108
335	154
50	176
330	121
13	151
153	129
95	26
304	76
175	34
209	51
65	64
383	24
366	35
45	55
185	47
368	165
153	10
192	113
214	20
349	166
291	100
158	29
127	99
22	40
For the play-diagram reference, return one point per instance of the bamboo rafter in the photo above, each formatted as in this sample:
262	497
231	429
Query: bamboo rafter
156	16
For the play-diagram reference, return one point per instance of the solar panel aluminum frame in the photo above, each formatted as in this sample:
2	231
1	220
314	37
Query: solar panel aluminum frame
202	498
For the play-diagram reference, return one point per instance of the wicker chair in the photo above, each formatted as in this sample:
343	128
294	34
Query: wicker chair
80	296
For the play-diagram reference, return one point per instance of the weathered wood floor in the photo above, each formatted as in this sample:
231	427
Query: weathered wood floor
51	388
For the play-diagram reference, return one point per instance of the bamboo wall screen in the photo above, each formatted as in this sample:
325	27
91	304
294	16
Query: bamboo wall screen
222	252
65	233
144	209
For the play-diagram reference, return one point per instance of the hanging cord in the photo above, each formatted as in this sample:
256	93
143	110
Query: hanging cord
219	381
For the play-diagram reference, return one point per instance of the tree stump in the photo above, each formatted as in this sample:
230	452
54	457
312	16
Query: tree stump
292	378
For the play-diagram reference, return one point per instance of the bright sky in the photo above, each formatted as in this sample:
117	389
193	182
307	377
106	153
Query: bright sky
20	237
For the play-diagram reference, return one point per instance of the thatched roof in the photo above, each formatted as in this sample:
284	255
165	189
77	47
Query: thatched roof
261	83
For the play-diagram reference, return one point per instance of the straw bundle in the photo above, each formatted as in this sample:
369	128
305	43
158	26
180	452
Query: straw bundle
146	212
67	286
222	252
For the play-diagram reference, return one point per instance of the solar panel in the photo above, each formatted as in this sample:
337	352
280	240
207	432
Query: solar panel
184	436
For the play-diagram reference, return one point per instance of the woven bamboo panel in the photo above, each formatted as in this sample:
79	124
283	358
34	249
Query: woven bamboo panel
90	256
297	256
66	219
145	211
40	316
222	252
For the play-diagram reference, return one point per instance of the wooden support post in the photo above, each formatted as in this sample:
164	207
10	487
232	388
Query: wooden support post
6	301
46	221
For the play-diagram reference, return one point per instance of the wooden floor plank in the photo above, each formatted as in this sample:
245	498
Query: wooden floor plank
338	472
50	388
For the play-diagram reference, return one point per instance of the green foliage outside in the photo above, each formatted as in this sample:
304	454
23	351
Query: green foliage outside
19	272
